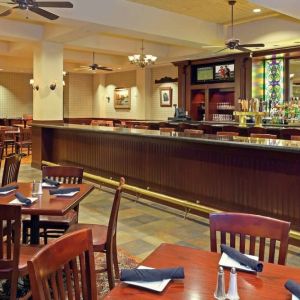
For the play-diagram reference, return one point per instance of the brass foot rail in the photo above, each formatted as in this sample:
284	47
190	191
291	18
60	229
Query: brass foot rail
187	205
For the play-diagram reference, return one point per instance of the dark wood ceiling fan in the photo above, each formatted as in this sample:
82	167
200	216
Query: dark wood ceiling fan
233	43
94	66
35	7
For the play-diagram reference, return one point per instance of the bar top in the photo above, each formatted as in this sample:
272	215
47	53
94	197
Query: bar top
236	141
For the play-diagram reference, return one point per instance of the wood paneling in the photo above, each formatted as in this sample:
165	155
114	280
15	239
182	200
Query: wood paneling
227	176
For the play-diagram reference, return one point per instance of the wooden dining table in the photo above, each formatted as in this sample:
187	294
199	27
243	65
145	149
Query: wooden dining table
46	204
200	280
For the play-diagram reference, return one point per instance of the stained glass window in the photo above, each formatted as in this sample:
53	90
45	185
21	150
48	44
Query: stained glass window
274	80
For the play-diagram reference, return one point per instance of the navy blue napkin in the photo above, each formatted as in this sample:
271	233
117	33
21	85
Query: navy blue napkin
242	259
51	182
23	199
149	275
64	191
8	188
293	287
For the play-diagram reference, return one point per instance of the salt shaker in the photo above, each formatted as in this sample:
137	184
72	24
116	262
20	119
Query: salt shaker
220	288
232	293
40	188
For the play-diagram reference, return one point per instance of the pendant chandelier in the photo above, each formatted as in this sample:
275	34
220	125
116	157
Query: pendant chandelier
142	60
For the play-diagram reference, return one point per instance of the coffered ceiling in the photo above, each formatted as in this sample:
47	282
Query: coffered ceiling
172	30
217	11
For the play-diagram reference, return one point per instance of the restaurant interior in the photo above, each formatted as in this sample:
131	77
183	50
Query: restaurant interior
150	149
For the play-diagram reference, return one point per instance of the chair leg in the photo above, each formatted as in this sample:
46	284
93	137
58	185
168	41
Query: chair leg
115	259
25	234
110	273
45	236
14	286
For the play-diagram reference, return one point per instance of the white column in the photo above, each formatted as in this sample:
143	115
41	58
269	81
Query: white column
143	84
47	70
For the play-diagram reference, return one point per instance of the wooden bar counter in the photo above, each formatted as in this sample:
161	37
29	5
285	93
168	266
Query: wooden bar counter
237	174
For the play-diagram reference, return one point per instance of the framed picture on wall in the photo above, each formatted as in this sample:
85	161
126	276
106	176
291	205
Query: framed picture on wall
122	98
165	96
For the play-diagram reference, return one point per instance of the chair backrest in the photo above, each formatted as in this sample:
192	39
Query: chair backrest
10	228
166	129
193	132
227	133
112	223
263	135
65	268
141	127
65	174
295	137
11	169
25	134
256	228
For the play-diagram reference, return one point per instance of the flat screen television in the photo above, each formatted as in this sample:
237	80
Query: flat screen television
205	74
224	72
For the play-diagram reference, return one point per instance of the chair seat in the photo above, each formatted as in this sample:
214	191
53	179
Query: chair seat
99	233
68	219
26	253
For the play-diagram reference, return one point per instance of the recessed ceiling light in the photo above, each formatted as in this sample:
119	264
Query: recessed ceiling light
119	68
1	69
256	10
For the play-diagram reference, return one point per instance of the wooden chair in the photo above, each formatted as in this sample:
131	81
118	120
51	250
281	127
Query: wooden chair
8	137
54	226
295	137
13	256
263	135
256	227
193	132
11	169
24	141
166	129
65	269
141	127
227	133
104	238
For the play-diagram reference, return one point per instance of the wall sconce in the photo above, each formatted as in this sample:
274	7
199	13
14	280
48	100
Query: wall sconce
34	87
53	86
108	99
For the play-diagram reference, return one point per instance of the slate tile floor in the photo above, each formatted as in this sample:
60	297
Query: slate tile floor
144	225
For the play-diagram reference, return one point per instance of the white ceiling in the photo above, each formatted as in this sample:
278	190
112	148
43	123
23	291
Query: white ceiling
114	29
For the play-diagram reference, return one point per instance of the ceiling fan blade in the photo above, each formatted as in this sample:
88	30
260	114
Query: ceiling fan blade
239	47
221	50
105	68
63	4
252	45
6	12
215	46
43	13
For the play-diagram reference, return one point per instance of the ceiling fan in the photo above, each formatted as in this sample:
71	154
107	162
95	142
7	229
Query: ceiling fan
94	66
35	6
233	43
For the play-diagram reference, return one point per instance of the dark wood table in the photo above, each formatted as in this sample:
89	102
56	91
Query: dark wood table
47	204
201	275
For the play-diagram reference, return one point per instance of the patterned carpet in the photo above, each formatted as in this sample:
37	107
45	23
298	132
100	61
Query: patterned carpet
125	262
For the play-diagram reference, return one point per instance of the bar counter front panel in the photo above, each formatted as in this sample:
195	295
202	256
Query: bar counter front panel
236	174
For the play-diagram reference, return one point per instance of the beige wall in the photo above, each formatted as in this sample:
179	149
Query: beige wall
78	96
15	95
145	94
158	112
86	95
